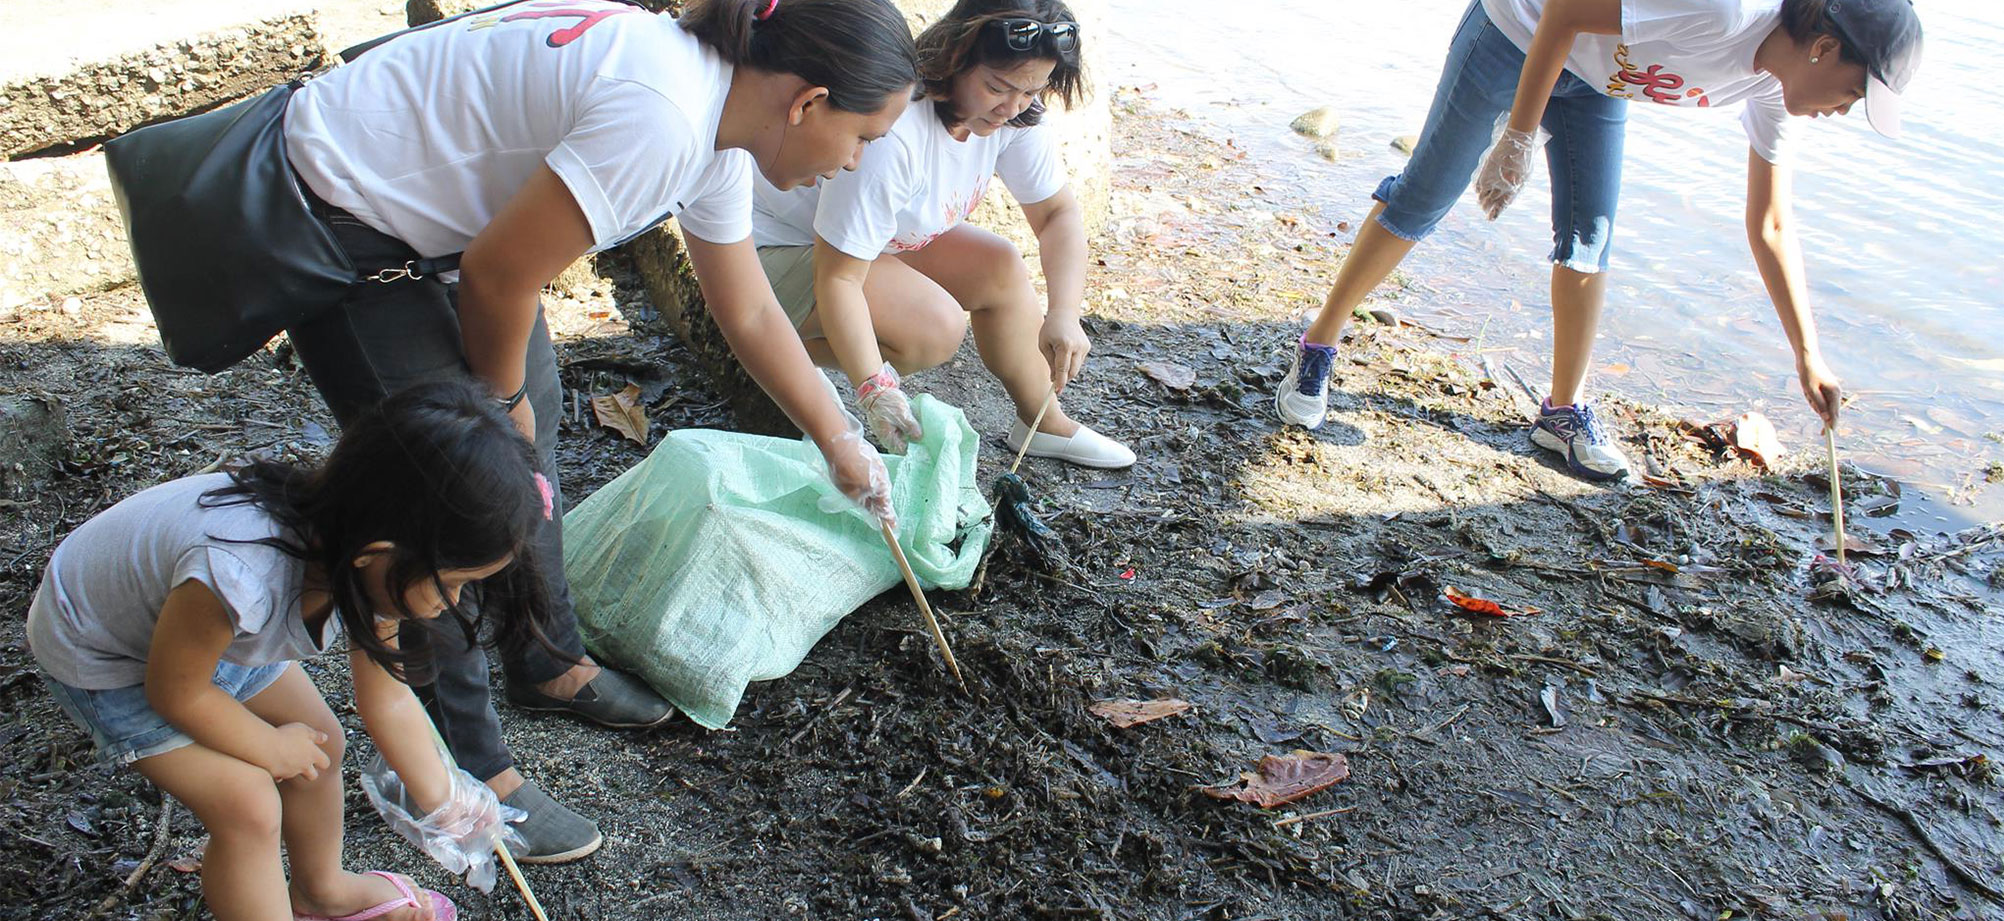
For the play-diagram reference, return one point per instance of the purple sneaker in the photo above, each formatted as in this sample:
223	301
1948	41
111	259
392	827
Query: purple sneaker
1575	432
1303	398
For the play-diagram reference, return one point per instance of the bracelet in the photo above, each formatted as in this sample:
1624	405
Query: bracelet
886	379
509	402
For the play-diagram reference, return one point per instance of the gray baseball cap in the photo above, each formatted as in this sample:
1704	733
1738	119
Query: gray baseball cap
1886	35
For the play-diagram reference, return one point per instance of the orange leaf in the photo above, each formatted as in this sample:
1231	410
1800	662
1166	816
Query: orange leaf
622	413
1127	714
1282	779
1482	606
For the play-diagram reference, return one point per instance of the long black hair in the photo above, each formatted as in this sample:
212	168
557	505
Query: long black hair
443	476
956	44
861	50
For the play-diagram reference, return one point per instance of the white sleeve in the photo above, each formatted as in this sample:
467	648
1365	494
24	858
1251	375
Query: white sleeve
858	210
721	210
1030	165
623	159
1768	124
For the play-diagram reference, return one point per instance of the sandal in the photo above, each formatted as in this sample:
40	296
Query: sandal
442	908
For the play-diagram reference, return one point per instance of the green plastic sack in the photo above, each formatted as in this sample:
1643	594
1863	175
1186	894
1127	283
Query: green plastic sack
711	565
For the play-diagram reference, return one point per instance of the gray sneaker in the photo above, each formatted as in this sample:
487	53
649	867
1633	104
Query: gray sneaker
554	834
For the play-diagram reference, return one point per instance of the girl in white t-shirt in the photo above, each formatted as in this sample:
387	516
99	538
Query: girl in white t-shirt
880	271
169	627
525	137
1571	66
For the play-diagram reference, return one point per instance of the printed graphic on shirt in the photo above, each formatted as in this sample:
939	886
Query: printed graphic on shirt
1654	82
954	212
556	9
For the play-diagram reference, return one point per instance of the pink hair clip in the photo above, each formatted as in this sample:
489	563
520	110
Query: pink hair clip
549	497
770	8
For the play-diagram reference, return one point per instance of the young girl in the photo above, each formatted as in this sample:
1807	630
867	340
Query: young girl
881	275
524	138
169	627
1572	66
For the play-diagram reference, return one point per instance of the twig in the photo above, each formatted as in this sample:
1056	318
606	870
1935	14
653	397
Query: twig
818	717
1548	660
1294	819
160	838
1949	860
1430	730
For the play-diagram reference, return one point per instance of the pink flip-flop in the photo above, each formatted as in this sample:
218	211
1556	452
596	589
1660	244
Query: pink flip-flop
442	908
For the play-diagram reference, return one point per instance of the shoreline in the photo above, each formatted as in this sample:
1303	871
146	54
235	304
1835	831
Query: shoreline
1678	729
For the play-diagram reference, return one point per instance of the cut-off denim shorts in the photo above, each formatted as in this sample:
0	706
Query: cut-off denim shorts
1477	86
126	728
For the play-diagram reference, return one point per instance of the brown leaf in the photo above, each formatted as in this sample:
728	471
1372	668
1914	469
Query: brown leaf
1173	376
1127	714
1754	438
622	413
188	864
1282	779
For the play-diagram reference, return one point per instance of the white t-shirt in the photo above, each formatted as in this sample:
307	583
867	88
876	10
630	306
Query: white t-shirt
91	623
1676	52
912	185
427	136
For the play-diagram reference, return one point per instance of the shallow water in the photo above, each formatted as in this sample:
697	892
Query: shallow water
1901	238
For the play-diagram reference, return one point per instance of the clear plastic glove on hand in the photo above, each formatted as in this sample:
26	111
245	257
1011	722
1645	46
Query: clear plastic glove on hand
855	467
887	411
461	834
1506	169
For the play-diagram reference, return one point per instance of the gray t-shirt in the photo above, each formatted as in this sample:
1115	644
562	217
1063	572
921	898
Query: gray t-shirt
91	623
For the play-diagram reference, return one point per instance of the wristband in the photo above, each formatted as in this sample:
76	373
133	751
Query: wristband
509	402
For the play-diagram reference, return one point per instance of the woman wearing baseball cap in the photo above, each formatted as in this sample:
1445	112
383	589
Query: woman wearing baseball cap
1570	67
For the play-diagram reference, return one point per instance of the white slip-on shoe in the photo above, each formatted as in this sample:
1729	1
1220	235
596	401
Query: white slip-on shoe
1085	447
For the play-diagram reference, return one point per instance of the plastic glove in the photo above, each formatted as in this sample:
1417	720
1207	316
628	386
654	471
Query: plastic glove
461	834
887	412
855	467
1505	170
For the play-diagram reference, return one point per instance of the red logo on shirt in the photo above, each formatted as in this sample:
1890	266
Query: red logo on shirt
1654	82
587	17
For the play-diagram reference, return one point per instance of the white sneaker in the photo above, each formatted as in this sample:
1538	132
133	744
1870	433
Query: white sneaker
1575	433
1303	398
1085	447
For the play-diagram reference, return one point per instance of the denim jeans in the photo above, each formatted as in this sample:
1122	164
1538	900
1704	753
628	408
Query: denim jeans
386	337
1477	86
124	725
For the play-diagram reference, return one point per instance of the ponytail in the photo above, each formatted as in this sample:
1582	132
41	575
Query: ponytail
861	50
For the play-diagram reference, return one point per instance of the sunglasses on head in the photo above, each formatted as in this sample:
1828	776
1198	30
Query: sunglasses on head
1023	35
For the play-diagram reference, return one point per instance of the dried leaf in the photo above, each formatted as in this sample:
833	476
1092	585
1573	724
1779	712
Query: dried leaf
1173	376
188	864
622	413
1282	779
1755	439
1482	606
1127	714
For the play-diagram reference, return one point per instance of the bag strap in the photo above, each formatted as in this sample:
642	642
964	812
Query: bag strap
350	53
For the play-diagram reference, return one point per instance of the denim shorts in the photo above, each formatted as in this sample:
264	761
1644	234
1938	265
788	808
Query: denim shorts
124	725
1477	86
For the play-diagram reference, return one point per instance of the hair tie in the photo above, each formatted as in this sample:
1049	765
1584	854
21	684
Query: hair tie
548	495
770	8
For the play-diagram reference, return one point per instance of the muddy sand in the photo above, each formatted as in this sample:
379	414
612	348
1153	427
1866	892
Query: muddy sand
1677	731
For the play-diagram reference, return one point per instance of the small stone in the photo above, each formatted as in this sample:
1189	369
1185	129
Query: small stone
1317	123
73	306
1327	150
1384	316
1405	143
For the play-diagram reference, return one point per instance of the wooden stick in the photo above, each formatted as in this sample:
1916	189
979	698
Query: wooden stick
1836	492
515	873
925	608
1049	396
160	838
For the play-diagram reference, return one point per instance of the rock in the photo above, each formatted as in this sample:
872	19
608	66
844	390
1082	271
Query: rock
1405	143
60	233
33	439
72	306
1317	123
1328	150
70	105
1384	316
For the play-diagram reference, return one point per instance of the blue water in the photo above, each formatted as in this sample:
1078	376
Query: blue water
1902	239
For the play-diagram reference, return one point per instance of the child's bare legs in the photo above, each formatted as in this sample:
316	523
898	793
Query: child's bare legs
247	815
1373	257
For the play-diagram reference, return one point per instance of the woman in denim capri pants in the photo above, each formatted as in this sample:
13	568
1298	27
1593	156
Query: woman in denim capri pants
1571	67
